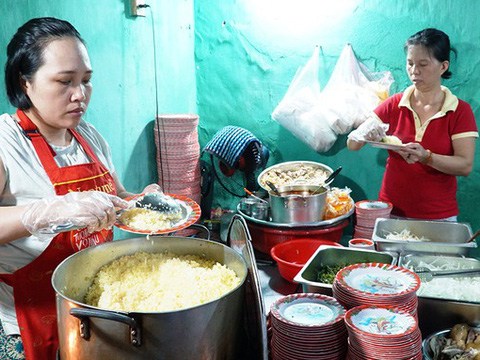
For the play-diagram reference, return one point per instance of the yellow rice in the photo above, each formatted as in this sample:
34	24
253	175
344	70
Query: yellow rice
159	282
149	220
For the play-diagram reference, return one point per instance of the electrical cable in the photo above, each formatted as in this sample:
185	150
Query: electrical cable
220	181
160	162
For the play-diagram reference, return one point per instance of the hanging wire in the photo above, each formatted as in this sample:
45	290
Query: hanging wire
160	134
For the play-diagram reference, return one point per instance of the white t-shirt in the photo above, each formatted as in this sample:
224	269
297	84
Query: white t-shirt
27	181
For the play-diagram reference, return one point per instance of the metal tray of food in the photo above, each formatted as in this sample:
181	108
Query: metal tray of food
445	301
279	174
440	237
335	258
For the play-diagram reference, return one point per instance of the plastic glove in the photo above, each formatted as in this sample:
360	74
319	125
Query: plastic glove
370	130
94	210
152	188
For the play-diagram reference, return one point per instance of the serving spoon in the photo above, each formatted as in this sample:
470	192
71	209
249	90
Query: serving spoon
255	196
427	275
158	201
328	180
273	188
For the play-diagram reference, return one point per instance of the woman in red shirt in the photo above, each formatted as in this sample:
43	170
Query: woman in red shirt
438	131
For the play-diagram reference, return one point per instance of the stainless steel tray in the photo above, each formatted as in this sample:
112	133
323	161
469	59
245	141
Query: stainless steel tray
297	225
445	237
436	313
415	260
333	255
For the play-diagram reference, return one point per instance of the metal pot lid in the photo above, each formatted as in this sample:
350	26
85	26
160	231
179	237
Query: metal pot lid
239	240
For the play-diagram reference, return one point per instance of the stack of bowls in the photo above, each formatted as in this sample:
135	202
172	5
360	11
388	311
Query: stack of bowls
308	326
178	154
377	284
382	332
366	213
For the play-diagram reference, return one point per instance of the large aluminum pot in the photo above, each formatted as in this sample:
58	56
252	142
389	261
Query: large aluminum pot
297	204
207	331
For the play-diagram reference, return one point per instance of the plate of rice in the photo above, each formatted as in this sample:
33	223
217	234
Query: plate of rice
389	142
152	222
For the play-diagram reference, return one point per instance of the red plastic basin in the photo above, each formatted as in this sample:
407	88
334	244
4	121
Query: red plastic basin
292	255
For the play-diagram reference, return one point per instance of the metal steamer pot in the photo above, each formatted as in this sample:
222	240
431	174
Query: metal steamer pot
296	204
208	331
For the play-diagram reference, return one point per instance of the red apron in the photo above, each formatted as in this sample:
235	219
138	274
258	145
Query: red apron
32	288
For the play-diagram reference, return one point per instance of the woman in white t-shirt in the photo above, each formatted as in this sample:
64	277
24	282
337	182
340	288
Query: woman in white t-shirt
56	171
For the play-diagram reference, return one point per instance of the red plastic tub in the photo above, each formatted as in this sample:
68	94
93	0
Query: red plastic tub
292	255
266	237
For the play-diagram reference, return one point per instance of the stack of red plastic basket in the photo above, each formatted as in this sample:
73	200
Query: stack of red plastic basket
366	213
178	154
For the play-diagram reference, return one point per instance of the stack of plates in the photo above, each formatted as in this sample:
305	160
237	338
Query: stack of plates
382	332
377	284
178	154
308	326
366	212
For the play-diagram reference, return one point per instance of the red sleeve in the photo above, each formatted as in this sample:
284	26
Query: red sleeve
464	119
388	109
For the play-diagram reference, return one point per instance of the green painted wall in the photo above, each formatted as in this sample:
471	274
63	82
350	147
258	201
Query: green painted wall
247	52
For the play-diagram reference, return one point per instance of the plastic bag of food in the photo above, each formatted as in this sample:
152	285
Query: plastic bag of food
353	91
302	111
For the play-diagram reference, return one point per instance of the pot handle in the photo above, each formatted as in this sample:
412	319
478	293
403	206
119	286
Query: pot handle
202	227
84	316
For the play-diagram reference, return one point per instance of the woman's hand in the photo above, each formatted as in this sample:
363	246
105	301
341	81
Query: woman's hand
460	163
94	210
414	152
370	130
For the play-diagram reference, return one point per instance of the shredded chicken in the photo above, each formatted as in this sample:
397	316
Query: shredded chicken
405	235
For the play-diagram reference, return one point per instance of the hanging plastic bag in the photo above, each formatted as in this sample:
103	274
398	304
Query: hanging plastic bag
301	110
353	91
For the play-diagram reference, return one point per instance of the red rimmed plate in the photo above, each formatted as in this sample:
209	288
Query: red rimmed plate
383	280
190	209
386	146
380	321
307	310
373	205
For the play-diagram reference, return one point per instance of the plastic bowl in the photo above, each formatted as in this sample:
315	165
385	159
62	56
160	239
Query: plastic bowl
292	255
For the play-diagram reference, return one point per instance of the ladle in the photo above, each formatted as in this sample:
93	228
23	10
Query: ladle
273	188
255	196
328	180
158	201
427	274
474	236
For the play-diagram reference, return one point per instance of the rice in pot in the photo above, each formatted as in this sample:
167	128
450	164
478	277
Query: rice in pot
156	282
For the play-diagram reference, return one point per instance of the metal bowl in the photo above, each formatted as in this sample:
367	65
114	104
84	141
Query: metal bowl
426	349
427	352
293	165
